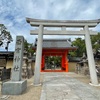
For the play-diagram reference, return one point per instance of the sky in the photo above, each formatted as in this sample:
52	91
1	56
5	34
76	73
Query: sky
13	14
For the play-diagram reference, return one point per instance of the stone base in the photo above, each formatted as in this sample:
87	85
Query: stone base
94	84
14	88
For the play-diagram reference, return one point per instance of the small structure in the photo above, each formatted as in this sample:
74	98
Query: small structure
82	66
27	70
25	67
72	62
55	47
97	57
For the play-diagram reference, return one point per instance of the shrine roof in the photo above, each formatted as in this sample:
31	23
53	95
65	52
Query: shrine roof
56	44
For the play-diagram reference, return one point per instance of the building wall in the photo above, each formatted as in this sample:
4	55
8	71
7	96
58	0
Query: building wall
71	66
9	63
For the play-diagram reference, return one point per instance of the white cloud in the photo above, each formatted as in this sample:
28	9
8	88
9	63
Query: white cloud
13	13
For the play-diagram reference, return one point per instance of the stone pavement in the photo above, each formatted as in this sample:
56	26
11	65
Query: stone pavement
61	86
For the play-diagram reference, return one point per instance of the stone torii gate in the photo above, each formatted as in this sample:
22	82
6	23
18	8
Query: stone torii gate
63	24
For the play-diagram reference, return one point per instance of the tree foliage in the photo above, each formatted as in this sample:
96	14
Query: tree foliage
56	59
28	48
81	48
96	41
80	44
5	36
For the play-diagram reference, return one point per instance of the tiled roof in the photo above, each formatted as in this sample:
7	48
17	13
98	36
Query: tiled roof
55	43
4	54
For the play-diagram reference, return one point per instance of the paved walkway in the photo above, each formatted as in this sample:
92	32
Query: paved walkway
61	86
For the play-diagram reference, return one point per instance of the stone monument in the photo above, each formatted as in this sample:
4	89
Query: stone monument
16	85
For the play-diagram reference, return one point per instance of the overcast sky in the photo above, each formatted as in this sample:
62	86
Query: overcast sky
13	14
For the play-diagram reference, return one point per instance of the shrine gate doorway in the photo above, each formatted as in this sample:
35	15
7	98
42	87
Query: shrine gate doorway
55	52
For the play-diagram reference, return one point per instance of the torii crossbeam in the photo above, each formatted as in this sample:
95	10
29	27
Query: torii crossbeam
62	32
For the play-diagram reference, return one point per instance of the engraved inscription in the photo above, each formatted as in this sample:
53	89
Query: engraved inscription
16	68
16	59
18	42
17	50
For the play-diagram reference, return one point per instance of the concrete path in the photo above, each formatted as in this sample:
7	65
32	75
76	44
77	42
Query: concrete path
61	86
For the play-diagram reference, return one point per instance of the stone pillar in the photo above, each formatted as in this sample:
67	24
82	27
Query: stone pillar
30	68
38	56
91	62
18	59
16	86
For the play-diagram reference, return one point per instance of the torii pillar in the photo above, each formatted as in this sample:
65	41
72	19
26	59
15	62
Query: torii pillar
91	61
38	56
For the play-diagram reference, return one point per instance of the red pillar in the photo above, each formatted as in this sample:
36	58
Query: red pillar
43	63
63	62
66	61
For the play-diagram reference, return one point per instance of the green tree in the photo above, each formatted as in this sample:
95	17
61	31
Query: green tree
5	36
81	48
28	48
80	44
96	41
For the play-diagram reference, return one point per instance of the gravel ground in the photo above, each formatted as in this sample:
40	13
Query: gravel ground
34	93
84	79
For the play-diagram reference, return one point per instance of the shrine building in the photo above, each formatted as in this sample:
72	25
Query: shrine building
57	48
